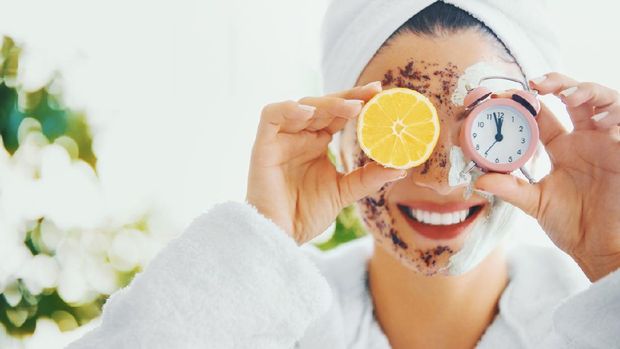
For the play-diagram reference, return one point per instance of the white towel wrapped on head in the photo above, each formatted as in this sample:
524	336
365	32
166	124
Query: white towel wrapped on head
353	30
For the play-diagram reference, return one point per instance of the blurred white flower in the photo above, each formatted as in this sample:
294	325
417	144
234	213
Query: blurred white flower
39	273
126	251
8	342
73	285
14	256
51	236
59	237
70	195
12	295
101	276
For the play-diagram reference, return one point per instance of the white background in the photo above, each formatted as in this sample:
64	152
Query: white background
174	90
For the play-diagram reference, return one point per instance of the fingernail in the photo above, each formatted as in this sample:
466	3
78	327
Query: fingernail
402	175
307	108
482	191
375	85
539	79
600	116
569	91
354	102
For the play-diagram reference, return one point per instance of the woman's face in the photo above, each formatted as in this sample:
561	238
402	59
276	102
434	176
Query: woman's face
433	67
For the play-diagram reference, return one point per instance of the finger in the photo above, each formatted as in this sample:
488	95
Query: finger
584	100
555	83
336	125
581	99
552	83
607	117
302	146
549	126
589	93
335	109
288	116
366	180
329	108
513	190
365	92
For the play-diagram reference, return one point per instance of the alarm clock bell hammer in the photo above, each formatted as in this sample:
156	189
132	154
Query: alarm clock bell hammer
517	111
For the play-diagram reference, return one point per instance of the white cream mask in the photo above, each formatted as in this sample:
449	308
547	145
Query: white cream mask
487	232
471	78
457	164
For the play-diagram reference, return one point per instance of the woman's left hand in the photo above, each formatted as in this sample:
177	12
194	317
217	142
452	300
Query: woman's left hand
578	203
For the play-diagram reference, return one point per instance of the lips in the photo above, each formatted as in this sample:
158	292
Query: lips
440	221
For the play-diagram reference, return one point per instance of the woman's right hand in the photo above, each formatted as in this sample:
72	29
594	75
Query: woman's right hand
291	179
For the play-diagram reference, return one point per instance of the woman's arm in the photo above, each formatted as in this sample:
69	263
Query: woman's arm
232	279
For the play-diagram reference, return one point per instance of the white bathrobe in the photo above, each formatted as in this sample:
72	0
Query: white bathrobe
234	279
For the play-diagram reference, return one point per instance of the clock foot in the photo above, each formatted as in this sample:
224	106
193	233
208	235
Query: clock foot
470	166
527	175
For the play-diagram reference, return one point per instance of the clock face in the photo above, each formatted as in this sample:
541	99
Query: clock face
500	134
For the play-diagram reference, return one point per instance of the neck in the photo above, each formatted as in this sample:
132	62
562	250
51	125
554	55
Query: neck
435	311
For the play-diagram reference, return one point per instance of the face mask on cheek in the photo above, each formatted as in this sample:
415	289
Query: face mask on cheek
485	235
487	232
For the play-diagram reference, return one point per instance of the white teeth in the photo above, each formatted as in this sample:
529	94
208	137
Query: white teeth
456	216
446	218
437	218
426	217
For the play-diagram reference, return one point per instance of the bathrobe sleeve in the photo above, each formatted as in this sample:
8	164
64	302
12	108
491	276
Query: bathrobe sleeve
233	279
591	318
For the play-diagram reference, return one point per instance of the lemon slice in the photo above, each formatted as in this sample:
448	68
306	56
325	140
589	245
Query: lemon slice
398	128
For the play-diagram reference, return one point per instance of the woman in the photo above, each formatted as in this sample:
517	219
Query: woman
236	278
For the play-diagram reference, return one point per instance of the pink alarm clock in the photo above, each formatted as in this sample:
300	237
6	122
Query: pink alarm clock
500	134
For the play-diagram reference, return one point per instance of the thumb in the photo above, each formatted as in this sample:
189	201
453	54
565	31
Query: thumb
513	190
366	180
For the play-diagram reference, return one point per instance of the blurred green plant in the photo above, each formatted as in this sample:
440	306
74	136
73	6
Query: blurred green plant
348	227
16	104
51	272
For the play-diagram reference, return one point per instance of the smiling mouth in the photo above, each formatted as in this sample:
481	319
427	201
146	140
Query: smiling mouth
441	223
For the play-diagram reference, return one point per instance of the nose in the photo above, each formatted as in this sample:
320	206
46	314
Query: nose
434	174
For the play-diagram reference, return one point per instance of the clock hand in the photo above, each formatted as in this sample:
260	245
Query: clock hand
486	153
498	127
